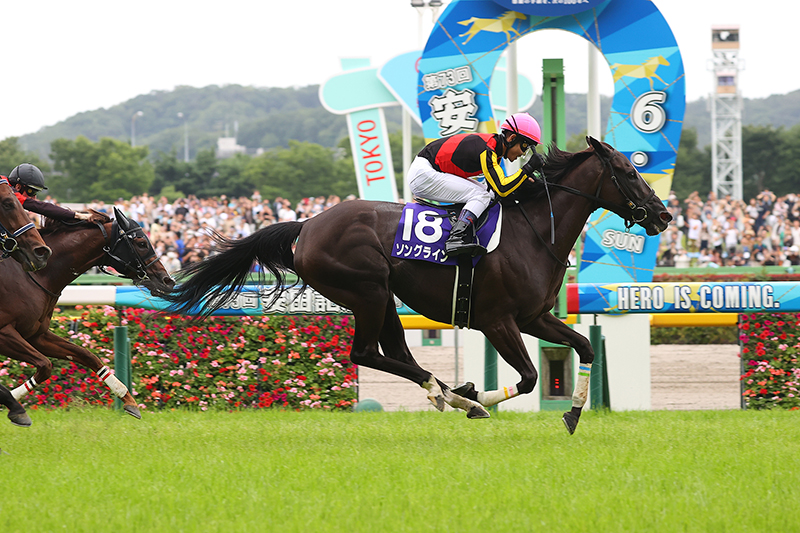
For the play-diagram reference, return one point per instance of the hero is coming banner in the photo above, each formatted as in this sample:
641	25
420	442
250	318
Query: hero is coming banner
646	113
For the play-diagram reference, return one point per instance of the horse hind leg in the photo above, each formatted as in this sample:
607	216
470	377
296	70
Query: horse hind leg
393	343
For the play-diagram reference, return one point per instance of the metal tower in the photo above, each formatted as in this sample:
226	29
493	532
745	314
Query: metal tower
726	114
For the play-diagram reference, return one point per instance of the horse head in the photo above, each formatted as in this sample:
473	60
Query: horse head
631	197
19	238
131	254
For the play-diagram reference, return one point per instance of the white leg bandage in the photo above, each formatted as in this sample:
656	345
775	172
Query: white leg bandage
116	386
493	397
582	387
23	389
435	394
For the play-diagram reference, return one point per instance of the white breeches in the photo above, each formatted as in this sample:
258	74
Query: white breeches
430	184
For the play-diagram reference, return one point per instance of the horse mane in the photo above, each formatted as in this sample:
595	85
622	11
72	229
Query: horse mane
52	225
557	164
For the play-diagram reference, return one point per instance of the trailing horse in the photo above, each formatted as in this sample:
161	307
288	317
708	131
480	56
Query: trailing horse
345	253
29	299
19	240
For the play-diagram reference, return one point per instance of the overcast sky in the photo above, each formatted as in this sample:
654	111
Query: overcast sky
61	58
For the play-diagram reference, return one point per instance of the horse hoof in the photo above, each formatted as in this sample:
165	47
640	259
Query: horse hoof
570	422
133	411
437	401
478	412
467	390
20	419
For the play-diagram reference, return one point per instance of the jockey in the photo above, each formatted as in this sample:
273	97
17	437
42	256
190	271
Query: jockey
445	171
27	180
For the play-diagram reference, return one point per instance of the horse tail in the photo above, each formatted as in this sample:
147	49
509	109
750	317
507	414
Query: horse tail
209	284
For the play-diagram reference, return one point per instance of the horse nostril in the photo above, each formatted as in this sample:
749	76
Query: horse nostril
42	252
665	217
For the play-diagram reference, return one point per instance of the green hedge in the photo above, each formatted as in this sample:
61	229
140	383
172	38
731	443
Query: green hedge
221	362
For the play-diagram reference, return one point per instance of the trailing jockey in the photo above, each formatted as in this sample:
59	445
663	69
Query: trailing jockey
446	170
27	181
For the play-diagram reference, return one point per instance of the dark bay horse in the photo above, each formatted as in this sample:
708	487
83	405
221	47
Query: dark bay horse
345	253
29	298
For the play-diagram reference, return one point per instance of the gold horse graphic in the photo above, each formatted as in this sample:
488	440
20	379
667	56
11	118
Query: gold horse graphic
504	23
645	70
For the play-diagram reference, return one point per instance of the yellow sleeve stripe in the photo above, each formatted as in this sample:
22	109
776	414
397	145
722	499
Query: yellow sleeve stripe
503	185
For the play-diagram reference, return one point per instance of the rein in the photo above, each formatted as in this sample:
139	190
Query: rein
630	218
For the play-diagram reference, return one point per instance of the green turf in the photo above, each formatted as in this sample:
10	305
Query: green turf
95	470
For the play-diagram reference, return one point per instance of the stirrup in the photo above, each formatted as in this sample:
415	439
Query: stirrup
458	248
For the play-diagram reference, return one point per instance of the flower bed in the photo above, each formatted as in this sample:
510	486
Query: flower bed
288	362
770	347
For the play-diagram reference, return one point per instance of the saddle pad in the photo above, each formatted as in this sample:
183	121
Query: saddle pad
423	231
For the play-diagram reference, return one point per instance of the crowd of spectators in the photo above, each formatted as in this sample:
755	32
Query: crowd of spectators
713	232
181	230
716	232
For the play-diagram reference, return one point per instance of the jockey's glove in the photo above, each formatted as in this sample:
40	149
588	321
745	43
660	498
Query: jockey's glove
534	163
83	216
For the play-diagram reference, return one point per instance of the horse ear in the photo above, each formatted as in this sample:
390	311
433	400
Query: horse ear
597	145
122	220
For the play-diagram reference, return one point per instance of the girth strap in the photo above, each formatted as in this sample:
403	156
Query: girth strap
462	292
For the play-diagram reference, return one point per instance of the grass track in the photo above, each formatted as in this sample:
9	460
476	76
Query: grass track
95	470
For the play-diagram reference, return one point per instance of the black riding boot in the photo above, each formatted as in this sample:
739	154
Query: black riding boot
462	240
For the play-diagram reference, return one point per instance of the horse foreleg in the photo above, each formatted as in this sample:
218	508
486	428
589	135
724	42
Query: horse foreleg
57	347
550	329
16	413
506	339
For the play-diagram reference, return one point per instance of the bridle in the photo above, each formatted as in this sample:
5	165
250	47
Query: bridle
631	212
121	250
8	239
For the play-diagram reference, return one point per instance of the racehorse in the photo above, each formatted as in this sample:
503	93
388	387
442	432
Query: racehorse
29	298
20	240
345	253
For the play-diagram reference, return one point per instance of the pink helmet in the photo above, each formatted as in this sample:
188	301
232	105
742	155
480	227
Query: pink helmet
525	125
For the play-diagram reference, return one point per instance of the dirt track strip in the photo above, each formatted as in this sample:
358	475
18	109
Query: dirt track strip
683	377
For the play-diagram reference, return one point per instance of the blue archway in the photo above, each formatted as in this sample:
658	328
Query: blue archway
646	113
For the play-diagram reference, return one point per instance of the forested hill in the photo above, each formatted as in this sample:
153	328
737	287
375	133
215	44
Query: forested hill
269	117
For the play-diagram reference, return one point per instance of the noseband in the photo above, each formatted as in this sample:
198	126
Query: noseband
8	239
121	250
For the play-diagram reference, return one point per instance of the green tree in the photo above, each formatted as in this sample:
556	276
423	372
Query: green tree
761	158
302	170
168	171
103	170
787	173
11	155
692	167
